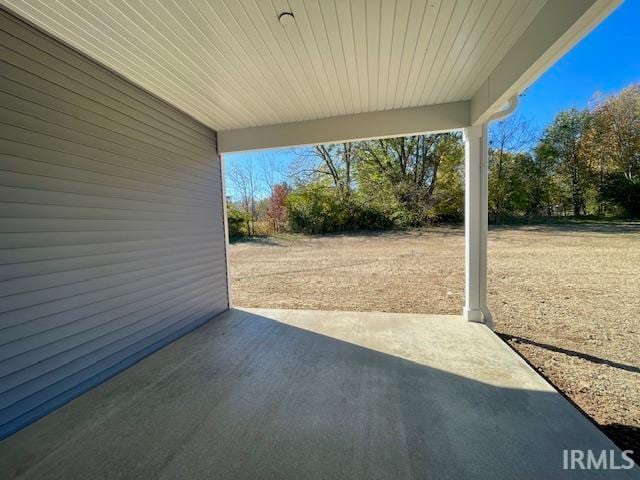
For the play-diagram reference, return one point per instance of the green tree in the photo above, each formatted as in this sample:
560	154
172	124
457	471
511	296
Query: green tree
614	144
616	128
538	185
563	144
507	139
448	196
408	168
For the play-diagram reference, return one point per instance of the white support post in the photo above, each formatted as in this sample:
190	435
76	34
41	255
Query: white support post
225	221
476	224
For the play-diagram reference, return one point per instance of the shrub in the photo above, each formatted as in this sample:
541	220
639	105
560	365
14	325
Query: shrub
318	208
315	208
237	221
618	189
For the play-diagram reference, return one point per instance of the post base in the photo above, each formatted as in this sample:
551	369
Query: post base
472	315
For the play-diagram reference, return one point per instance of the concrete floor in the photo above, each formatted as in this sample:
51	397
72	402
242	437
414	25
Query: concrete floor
283	394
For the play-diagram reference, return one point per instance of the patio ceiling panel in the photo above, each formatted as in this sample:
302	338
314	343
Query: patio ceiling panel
261	84
231	64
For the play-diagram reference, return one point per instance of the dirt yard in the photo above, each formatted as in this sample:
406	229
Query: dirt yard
567	297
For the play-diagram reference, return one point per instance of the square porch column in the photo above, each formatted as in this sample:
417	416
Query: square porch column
476	224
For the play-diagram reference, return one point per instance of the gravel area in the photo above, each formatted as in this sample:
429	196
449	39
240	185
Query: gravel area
566	297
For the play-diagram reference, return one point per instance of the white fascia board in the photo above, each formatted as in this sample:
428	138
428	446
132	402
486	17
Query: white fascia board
559	25
361	126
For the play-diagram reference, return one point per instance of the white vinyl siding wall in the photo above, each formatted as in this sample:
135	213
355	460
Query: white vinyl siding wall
111	228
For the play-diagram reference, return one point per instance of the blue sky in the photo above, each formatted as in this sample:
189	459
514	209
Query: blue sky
605	61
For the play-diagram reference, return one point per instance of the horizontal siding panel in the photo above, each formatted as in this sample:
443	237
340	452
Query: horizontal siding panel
61	138
26	225
59	309
80	307
73	281
16	69
113	178
111	229
113	194
85	134
65	370
112	336
38	239
33	210
188	316
71	67
59	394
15	188
59	265
105	129
117	326
25	85
10	256
51	149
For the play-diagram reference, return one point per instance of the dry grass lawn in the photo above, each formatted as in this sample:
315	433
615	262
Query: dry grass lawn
567	297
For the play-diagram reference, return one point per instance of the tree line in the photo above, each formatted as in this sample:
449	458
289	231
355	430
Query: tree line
586	162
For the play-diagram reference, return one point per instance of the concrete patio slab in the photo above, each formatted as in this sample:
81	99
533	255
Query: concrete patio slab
283	394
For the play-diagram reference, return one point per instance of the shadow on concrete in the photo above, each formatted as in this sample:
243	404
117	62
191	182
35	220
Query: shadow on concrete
570	353
246	396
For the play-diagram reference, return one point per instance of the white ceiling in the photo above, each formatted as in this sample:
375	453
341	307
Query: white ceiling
231	64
